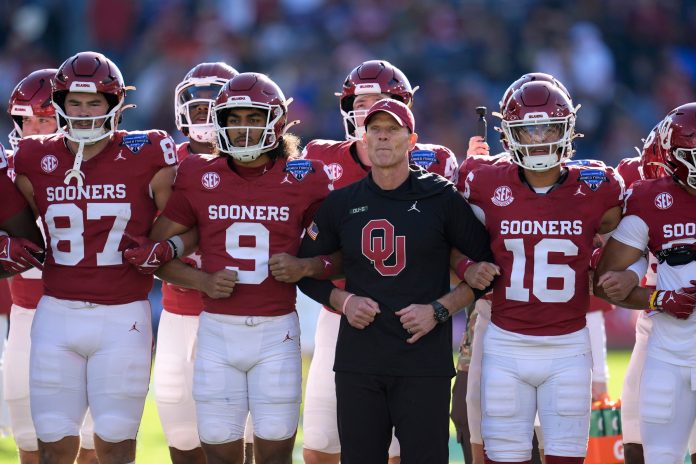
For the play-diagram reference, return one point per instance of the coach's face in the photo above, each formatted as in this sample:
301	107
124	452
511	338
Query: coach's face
388	142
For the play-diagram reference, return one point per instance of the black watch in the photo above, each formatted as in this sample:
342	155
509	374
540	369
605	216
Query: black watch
440	312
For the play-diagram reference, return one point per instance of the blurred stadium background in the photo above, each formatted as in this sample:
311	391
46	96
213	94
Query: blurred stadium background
627	62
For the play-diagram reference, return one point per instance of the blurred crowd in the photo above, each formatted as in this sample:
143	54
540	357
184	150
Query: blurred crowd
627	62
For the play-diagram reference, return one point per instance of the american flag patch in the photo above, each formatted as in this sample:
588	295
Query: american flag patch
313	230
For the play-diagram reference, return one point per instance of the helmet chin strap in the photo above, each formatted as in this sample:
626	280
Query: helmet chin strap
75	172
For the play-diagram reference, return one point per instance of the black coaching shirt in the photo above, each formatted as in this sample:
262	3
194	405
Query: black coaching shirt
396	247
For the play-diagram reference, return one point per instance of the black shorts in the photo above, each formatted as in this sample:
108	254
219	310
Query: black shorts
368	406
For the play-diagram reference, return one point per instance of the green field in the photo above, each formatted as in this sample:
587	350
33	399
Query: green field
152	448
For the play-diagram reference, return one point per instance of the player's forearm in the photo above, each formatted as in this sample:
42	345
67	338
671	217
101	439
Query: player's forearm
457	299
639	298
177	273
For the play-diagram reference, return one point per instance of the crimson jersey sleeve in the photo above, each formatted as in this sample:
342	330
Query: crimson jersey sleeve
435	158
473	162
12	200
179	207
86	225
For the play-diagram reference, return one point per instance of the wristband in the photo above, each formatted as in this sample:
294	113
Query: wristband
345	302
177	245
652	302
463	264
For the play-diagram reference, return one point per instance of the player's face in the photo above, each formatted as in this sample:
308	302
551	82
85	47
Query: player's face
388	143
86	105
363	103
38	125
241	123
198	110
538	134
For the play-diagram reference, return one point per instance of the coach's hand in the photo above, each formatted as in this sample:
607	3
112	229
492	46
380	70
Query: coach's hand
219	284
417	320
148	256
361	311
17	254
617	285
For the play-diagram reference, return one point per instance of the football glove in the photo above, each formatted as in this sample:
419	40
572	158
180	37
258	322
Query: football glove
17	254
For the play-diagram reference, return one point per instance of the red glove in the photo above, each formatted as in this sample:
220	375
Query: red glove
148	256
16	254
596	256
678	303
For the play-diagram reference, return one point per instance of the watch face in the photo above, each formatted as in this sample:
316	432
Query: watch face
441	313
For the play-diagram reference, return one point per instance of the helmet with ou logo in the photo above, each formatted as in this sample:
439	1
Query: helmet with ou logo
531	77
677	135
538	123
89	72
251	91
198	89
31	97
372	77
652	156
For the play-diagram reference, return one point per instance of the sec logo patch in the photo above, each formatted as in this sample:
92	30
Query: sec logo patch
502	196
210	180
49	163
664	200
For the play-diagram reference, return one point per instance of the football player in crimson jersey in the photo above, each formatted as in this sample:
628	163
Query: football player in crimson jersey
659	215
92	185
348	162
32	114
176	337
249	201
466	393
539	306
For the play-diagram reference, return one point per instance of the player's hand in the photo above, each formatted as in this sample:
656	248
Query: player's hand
417	320
18	254
148	256
361	311
478	146
678	303
480	275
219	284
599	391
617	285
287	268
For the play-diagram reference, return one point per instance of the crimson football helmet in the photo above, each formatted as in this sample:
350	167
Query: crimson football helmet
89	72
251	90
652	156
677	134
371	77
200	87
531	77
31	97
538	123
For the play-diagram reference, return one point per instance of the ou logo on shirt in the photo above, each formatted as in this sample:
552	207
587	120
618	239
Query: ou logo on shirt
380	244
210	180
664	200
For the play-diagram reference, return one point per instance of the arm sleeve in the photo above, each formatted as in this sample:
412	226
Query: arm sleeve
321	238
632	231
179	208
